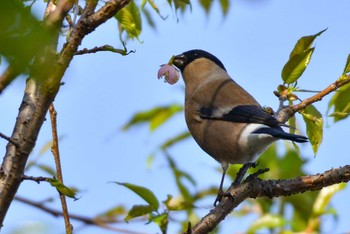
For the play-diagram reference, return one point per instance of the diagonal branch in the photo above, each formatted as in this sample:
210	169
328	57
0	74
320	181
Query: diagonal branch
7	77
100	222
287	112
254	187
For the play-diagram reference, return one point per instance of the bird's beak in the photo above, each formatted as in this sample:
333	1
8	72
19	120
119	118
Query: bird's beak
180	61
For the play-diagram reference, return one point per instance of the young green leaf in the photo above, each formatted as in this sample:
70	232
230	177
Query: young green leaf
176	139
138	210
324	197
267	221
62	189
225	6
296	66
46	168
156	116
144	193
179	175
341	103
206	4
304	43
130	20
161	220
321	206
314	126
347	66
112	213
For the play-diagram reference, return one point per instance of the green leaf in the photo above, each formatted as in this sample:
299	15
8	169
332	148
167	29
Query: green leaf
139	210
112	213
341	103
267	221
22	36
62	189
296	65
144	193
156	116
347	66
206	4
290	165
129	19
161	220
299	58
179	175
321	206
314	126
174	140
225	6
304	43
178	203
48	169
324	197
149	160
148	17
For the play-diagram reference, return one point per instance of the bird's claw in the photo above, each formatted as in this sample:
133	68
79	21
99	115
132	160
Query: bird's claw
222	195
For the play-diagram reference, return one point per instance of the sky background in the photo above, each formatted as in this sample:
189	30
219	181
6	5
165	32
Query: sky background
102	92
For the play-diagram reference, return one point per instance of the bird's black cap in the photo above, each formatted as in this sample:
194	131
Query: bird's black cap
182	60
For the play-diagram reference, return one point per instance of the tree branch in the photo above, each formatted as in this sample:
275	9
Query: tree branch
56	153
7	77
104	48
8	139
253	187
100	222
287	112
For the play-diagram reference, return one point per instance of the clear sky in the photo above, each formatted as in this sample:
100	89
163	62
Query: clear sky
102	91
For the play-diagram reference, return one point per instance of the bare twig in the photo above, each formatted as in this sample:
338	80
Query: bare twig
56	153
103	223
36	179
254	187
8	139
104	48
7	77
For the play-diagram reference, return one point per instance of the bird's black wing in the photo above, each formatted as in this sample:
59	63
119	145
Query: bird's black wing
242	114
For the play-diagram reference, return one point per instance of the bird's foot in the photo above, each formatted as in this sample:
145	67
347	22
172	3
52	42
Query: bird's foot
221	195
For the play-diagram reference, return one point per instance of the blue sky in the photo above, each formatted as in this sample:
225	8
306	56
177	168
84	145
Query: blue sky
102	91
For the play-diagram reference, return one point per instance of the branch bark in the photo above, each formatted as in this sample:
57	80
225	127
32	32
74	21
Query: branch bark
253	187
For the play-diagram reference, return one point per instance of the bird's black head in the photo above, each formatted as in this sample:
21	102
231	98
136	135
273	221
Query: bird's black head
182	60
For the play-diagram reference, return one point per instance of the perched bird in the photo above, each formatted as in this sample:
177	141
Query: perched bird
223	118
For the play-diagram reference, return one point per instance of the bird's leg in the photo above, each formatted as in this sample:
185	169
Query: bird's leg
220	192
242	172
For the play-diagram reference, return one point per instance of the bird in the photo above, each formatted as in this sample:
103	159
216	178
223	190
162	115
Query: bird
223	118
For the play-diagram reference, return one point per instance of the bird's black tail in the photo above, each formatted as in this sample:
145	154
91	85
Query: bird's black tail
280	134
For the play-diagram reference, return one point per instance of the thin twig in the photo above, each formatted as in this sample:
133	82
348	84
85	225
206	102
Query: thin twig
36	179
104	48
9	139
7	77
56	153
100	222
